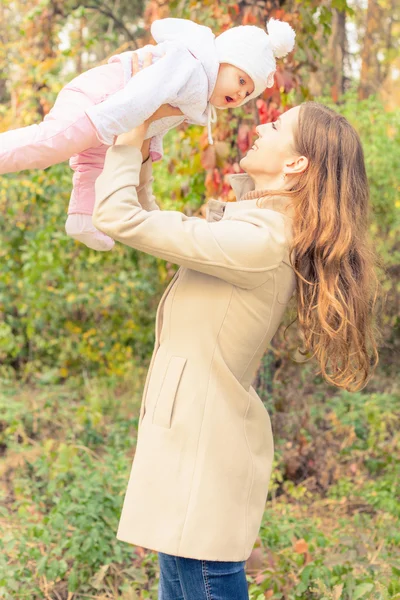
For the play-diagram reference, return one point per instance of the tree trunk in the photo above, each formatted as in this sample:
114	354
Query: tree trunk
369	66
337	50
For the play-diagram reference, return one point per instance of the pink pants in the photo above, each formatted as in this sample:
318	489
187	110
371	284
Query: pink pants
67	132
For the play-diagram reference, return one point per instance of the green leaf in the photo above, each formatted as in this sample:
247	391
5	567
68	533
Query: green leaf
361	590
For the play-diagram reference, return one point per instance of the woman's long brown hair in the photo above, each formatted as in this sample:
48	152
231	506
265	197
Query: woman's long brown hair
337	285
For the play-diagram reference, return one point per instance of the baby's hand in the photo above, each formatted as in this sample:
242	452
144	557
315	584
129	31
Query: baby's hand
148	59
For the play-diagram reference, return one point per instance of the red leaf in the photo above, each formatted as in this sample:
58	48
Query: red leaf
244	138
213	182
262	110
217	177
267	112
249	18
301	546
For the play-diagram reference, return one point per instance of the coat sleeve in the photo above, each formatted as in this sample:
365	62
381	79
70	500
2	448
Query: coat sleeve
241	249
145	92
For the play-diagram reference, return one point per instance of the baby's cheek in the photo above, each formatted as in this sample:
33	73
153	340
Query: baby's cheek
219	86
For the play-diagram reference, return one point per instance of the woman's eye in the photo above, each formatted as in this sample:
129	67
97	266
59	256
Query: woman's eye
274	126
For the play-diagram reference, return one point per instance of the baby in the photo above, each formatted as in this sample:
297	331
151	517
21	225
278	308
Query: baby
191	69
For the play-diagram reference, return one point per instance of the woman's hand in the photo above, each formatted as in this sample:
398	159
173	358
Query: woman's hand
136	136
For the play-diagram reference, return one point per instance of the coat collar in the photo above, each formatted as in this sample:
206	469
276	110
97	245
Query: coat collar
241	184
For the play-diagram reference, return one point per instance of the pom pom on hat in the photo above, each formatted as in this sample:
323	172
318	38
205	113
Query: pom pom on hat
281	37
252	50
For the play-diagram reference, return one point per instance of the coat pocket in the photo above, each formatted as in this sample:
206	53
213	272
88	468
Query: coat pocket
166	398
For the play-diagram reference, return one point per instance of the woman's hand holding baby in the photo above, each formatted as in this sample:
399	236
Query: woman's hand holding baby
136	136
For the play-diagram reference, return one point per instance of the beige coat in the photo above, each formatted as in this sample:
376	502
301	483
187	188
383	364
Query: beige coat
203	459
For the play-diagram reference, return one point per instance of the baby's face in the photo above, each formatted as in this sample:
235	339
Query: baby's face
232	86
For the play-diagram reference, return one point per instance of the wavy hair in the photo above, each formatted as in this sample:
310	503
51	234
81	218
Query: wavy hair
337	284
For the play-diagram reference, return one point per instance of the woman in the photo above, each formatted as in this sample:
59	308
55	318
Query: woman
200	475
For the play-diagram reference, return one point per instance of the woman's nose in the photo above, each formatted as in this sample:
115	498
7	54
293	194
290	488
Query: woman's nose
260	128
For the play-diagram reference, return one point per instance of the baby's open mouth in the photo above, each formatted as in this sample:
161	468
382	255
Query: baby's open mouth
229	99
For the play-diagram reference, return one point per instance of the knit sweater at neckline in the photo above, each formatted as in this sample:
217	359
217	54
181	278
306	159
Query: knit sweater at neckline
279	203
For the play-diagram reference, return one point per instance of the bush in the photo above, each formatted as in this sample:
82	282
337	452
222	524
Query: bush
66	309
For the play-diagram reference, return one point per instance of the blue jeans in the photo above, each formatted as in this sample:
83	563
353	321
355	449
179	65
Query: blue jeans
192	579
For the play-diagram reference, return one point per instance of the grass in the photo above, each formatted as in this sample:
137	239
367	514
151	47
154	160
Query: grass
330	529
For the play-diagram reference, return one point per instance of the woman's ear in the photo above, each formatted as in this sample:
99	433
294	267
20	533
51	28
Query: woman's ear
296	165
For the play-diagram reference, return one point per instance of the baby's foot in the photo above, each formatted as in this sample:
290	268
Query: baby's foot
81	228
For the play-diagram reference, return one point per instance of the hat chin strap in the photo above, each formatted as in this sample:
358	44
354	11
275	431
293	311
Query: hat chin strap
211	118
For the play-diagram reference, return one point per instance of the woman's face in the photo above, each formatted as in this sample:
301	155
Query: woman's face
273	152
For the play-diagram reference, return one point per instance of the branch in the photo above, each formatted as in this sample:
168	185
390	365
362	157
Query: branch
108	13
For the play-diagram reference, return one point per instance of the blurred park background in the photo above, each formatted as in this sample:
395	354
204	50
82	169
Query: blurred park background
77	326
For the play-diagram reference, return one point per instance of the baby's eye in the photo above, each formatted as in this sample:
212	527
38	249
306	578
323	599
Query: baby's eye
242	81
247	94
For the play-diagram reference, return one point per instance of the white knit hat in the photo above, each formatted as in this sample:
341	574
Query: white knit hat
251	49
